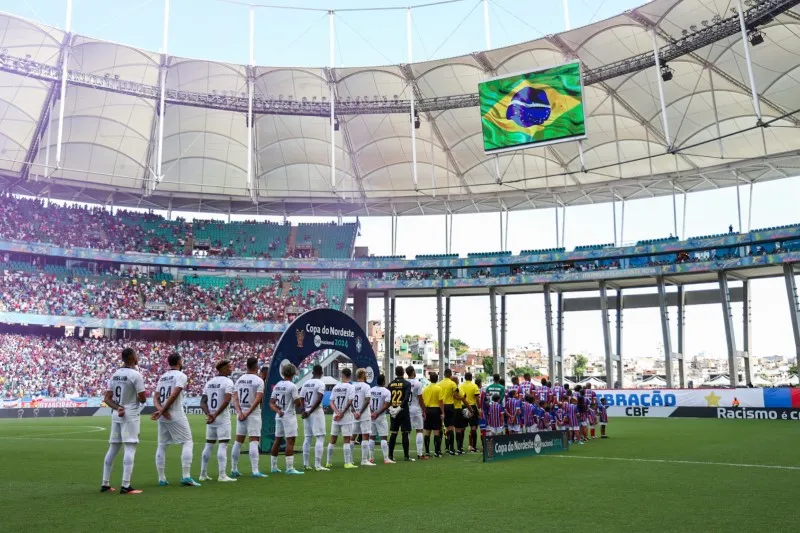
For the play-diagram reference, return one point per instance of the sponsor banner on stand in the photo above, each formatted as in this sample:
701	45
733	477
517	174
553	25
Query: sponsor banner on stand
642	412
524	444
738	413
683	397
52	412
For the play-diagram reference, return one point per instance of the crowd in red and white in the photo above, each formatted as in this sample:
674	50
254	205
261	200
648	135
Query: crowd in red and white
32	365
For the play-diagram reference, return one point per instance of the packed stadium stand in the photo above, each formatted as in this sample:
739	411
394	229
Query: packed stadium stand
39	365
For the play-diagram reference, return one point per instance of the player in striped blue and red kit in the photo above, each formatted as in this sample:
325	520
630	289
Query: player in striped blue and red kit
513	412
572	418
525	387
558	394
543	392
495	416
592	415
602	414
529	421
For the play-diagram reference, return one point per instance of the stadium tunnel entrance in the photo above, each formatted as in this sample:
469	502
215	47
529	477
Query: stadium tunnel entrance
314	331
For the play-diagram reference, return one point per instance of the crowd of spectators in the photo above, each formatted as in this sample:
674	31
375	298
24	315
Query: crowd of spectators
32	365
149	299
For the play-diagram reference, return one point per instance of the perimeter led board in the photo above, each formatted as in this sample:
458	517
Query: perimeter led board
532	108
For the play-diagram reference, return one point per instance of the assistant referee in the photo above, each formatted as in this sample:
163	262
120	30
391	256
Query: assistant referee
449	389
434	413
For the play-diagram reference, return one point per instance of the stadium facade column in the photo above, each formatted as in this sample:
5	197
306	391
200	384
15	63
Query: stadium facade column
681	336
620	307
606	334
360	308
560	337
794	306
666	334
63	86
548	321
502	362
250	89
748	61
393	323
162	82
388	351
493	322
446	350
730	338
747	334
439	331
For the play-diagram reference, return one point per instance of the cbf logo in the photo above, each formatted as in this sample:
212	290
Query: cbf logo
358	345
537	444
317	341
370	374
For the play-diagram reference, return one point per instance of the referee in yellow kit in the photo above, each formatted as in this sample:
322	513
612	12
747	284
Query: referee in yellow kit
449	390
434	413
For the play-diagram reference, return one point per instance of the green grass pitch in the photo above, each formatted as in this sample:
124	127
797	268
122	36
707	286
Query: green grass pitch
651	475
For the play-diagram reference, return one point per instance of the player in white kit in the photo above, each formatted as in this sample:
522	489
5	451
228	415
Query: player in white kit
214	402
312	393
284	400
362	416
247	395
125	396
416	410
341	404
173	426
379	404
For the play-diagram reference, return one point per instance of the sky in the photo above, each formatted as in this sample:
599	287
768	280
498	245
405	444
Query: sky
218	30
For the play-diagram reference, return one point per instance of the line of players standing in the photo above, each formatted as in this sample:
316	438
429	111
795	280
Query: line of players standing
442	409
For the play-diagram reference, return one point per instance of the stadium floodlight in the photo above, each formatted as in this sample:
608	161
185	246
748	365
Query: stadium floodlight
336	124
666	72
416	120
755	37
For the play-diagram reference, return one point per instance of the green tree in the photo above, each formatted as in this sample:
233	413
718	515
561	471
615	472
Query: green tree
793	369
526	370
488	365
460	346
580	365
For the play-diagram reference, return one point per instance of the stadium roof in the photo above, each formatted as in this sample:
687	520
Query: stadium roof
110	132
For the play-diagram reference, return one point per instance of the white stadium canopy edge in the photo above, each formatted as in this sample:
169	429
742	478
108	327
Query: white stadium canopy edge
717	135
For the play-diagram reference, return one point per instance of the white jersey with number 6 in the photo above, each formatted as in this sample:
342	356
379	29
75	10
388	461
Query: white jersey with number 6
168	382
413	400
215	391
247	387
125	385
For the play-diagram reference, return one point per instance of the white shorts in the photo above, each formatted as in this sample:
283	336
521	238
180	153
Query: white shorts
603	424
416	420
124	432
286	427
584	423
494	431
363	426
314	425
380	426
345	430
250	427
174	431
531	429
561	428
575	428
219	431
514	428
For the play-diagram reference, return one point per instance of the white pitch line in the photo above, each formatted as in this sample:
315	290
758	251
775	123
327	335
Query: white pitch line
92	429
678	461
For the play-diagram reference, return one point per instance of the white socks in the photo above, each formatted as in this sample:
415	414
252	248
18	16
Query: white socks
161	461
371	450
254	456
222	458
236	451
330	453
186	459
348	453
385	449
319	444
289	462
420	444
306	450
127	464
205	458
108	462
365	450
273	462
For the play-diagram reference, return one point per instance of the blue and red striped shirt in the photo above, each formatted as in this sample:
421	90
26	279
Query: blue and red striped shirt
603	412
525	388
528	414
558	392
513	410
494	415
543	393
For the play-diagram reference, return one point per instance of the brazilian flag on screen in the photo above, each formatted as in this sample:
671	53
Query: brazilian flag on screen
537	107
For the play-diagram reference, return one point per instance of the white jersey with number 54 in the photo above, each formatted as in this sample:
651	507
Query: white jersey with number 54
285	394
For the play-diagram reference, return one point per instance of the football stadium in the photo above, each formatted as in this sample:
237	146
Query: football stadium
248	248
